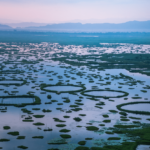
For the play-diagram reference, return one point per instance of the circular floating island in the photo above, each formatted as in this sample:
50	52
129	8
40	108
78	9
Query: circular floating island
62	88
19	101
105	93
12	82
135	107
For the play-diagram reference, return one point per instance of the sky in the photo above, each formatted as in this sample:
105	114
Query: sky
84	11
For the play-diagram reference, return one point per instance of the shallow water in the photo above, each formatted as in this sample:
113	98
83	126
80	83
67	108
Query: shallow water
16	100
48	71
143	147
137	107
63	88
11	82
104	93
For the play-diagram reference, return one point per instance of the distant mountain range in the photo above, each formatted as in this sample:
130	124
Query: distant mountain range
132	26
5	27
26	24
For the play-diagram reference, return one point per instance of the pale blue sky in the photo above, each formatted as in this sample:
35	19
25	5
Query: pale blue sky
84	11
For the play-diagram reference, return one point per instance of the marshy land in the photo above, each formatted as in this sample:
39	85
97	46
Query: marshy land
66	97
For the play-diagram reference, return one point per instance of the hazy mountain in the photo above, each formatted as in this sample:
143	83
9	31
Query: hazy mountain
26	24
5	27
132	26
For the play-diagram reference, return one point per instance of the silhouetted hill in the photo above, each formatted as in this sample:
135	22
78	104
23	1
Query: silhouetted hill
5	27
132	26
25	24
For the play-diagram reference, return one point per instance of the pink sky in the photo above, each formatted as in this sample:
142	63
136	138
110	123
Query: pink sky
91	11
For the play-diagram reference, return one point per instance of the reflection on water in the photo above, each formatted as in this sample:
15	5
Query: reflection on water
36	64
11	82
63	88
143	147
104	93
137	107
16	100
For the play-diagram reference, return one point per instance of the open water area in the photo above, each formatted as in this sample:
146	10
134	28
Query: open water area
78	96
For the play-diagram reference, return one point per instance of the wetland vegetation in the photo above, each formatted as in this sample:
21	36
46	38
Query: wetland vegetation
65	96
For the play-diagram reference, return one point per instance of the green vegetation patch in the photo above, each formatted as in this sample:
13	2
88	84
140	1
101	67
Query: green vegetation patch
82	114
48	129
92	128
60	125
38	124
38	137
54	100
64	130
77	119
123	113
67	101
136	97
15	133
35	108
58	141
144	91
101	124
88	138
4	140
123	146
76	109
108	132
66	116
20	137
124	119
58	120
113	111
65	136
49	96
107	121
143	139
79	103
119	107
25	110
126	126
138	122
73	106
82	148
59	103
46	110
135	118
28	120
82	142
114	138
22	147
38	116
6	127
105	116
